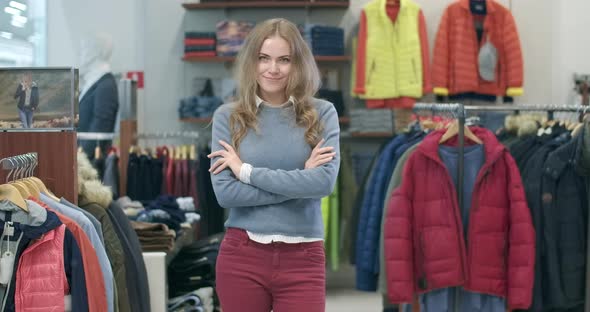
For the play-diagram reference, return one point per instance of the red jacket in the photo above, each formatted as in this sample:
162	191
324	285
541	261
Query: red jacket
425	248
455	62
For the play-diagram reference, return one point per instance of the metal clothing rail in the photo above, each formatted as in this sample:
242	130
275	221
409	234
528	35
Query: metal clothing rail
98	136
165	135
19	161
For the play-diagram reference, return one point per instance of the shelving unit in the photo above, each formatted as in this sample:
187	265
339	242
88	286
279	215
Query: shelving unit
264	4
222	59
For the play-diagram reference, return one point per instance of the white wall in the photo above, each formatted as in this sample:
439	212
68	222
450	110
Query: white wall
148	35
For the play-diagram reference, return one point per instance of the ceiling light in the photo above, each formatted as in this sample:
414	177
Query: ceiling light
6	35
17	24
12	11
18	5
20	19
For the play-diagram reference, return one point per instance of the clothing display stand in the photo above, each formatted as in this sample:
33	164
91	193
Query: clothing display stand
56	152
459	111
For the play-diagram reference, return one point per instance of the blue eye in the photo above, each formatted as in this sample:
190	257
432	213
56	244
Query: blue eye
285	60
263	58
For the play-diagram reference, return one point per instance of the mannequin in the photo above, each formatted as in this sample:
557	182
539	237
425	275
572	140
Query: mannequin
99	102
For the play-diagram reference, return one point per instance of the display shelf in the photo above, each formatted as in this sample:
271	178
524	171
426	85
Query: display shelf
343	120
221	59
264	4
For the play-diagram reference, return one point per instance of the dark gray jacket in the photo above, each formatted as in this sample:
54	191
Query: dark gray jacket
137	280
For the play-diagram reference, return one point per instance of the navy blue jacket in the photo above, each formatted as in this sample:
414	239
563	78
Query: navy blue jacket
98	112
369	226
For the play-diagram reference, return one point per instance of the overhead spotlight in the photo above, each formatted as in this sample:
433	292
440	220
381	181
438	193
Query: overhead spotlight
12	11
18	5
19	18
6	35
15	23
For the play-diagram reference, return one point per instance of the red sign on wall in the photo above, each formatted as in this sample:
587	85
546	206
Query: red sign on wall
137	76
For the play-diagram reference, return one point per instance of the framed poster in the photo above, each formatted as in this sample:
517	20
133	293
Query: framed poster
38	98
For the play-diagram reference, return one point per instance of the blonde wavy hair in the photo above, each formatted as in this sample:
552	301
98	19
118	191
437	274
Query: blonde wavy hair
302	84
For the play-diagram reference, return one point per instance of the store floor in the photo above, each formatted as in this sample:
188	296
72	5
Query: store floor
349	300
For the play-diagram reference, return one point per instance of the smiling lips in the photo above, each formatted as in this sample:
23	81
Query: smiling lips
272	79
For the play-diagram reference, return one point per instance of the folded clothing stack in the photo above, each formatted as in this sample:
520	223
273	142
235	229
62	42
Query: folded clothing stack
154	236
231	36
198	43
371	120
132	208
163	209
199	106
199	300
324	40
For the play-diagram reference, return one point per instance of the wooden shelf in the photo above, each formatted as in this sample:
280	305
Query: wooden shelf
343	120
264	4
222	59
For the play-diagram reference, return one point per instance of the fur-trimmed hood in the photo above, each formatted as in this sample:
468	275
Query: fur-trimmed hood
90	189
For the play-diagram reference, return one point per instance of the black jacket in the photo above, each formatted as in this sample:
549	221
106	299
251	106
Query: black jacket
565	215
98	112
21	95
532	175
137	280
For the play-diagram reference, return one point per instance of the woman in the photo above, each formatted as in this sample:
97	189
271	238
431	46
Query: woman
276	154
27	96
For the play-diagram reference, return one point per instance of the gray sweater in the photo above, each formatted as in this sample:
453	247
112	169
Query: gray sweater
282	197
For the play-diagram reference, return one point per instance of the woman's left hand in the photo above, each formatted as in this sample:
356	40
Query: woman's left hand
229	158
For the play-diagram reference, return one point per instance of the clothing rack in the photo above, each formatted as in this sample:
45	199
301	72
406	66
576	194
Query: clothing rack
166	135
19	161
459	111
98	136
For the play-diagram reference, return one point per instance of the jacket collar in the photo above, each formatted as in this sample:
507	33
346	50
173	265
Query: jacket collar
493	148
38	227
490	6
383	6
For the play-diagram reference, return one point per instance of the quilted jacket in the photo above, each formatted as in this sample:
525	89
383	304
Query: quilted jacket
425	248
455	62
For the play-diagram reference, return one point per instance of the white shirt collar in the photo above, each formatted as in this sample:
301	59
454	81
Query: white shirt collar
260	101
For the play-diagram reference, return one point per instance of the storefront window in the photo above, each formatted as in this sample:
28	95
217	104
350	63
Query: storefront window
23	33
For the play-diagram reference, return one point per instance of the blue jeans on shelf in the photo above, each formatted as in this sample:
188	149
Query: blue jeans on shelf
26	118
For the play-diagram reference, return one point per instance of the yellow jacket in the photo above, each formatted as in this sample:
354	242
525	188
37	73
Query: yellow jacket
394	59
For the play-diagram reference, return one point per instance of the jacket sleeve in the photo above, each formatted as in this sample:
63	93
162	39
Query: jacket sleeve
513	65
426	73
74	268
19	91
521	242
230	192
361	55
307	183
399	242
35	97
440	62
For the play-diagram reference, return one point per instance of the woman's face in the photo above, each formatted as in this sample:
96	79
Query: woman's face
274	66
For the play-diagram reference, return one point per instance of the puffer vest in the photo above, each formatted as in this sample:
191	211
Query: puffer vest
41	282
394	59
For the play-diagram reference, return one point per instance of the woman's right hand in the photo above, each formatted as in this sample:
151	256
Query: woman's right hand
320	155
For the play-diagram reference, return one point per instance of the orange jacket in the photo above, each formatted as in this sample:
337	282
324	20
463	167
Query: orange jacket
455	63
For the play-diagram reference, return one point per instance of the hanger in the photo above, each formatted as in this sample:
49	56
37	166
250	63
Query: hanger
38	182
17	182
12	193
453	130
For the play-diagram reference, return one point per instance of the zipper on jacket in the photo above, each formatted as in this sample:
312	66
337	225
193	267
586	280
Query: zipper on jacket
371	71
414	72
13	273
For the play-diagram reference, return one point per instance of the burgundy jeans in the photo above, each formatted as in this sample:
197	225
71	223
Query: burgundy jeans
254	277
